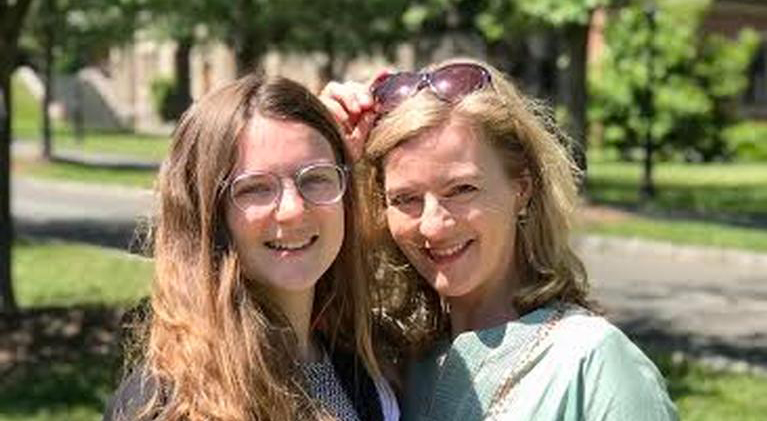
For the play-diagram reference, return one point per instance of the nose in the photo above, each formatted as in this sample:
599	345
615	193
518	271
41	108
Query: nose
290	205
436	220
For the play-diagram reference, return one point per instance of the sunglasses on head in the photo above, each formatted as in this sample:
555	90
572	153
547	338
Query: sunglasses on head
448	83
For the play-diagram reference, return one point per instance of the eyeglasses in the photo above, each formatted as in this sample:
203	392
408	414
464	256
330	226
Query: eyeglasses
448	83
318	184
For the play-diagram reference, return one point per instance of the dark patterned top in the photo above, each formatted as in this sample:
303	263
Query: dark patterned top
323	384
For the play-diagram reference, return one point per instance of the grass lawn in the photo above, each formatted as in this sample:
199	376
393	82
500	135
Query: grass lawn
84	173
27	123
702	394
68	378
76	388
64	274
688	232
703	204
708	190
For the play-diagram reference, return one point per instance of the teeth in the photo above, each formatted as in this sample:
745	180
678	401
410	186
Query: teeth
289	245
448	251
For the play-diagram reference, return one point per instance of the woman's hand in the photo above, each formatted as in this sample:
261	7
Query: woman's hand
353	107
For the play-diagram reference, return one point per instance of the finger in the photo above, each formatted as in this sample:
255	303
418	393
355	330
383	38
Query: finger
338	112
344	93
364	126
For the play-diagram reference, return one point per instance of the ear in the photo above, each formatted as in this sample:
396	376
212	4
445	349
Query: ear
523	186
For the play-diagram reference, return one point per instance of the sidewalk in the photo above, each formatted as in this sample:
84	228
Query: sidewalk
29	149
706	302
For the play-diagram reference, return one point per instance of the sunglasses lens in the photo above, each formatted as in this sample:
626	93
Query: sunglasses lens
457	80
392	90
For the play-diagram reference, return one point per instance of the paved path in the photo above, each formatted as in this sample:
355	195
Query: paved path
100	214
705	303
708	304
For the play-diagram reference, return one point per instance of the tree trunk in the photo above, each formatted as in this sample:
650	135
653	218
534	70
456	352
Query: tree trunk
11	17
48	80
182	63
573	91
7	299
248	53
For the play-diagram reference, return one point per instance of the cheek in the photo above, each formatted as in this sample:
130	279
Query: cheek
401	228
333	222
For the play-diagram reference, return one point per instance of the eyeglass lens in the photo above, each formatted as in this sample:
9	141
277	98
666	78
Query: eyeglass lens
321	184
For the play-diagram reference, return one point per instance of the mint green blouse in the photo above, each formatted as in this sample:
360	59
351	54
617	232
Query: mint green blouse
556	363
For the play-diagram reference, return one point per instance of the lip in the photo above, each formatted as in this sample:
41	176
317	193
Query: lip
291	252
446	259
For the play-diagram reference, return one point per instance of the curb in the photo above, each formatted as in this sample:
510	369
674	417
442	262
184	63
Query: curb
679	252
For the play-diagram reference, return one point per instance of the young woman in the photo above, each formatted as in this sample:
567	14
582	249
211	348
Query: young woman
475	191
259	309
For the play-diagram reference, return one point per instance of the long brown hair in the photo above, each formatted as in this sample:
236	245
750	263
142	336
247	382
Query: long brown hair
216	347
528	143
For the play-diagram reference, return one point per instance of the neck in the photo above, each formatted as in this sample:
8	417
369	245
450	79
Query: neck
489	305
297	308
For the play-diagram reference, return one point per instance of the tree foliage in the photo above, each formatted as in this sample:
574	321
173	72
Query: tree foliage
695	79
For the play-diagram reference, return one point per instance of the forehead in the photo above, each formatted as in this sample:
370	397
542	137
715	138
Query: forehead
452	150
269	144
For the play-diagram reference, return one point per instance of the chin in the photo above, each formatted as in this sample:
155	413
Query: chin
295	282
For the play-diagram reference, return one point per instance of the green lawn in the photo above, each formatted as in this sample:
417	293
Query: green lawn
682	232
84	173
703	204
63	274
701	189
27	123
71	384
702	394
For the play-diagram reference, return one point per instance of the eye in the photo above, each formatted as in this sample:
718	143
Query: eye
403	200
255	188
462	191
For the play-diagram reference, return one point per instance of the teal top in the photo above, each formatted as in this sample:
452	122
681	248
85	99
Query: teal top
559	362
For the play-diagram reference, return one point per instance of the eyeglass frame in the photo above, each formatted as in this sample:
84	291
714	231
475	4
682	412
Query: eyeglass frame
426	79
343	170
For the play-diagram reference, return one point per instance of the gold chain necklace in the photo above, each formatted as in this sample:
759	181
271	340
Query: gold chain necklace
526	363
515	373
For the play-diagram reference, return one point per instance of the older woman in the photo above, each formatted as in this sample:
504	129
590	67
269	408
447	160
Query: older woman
259	309
477	193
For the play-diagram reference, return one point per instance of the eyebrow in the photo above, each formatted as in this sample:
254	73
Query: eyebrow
443	183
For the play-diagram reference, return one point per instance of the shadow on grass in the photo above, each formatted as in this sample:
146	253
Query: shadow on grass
58	363
744	206
684	377
118	235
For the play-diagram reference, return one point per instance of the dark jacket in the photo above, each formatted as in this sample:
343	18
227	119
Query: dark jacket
137	388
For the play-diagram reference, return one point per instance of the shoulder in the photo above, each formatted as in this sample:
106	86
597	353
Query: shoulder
131	397
613	376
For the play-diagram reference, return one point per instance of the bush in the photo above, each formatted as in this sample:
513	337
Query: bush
748	140
167	98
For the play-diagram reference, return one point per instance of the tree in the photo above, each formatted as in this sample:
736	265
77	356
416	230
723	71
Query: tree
569	20
505	25
12	14
63	36
688	81
341	29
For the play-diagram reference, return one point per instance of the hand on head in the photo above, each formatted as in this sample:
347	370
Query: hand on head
353	107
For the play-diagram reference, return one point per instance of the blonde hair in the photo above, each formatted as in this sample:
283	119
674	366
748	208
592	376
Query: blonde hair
216	347
528	144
